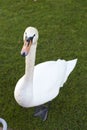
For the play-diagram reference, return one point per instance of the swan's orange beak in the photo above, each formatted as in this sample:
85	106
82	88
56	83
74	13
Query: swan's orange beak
26	48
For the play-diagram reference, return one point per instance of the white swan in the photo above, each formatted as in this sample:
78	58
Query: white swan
41	83
3	123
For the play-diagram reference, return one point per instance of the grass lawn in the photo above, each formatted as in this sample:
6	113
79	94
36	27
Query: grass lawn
62	26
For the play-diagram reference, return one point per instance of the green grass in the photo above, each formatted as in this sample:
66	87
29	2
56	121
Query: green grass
62	26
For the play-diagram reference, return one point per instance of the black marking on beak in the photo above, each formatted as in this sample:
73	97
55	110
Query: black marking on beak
30	39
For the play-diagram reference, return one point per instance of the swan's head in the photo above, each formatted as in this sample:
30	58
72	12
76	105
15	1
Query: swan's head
30	38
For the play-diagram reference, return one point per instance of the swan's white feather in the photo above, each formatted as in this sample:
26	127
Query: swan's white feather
49	77
41	83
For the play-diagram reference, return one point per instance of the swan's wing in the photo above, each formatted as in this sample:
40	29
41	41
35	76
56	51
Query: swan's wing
48	78
47	74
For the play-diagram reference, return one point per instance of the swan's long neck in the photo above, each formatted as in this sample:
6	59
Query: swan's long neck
30	62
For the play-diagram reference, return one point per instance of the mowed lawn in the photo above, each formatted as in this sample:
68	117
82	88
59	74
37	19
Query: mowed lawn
62	26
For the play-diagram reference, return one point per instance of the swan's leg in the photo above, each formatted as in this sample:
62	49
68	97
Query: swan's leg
42	112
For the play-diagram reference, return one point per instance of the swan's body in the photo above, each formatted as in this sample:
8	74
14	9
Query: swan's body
3	122
41	83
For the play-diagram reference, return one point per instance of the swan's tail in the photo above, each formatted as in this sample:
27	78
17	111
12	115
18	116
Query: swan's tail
70	66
